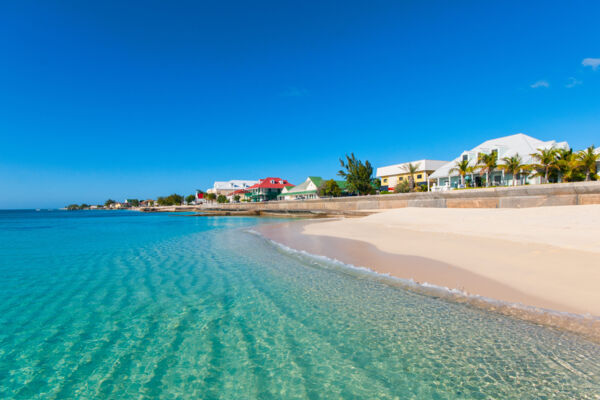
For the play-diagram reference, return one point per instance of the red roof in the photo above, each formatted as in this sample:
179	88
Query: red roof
239	191
271	183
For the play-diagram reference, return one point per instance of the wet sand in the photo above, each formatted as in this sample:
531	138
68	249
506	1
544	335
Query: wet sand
548	259
416	268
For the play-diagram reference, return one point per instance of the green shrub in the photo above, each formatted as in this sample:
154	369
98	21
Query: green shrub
402	187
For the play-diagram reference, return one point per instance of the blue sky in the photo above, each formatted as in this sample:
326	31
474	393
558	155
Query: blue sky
140	99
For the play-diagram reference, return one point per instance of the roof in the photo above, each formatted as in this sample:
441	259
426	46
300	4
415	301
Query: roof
342	184
317	180
239	191
422	165
507	146
271	183
234	184
311	184
306	187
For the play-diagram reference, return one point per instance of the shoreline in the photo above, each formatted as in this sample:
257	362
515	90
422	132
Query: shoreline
526	275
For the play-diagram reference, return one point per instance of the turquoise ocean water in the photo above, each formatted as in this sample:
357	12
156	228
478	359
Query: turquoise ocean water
101	305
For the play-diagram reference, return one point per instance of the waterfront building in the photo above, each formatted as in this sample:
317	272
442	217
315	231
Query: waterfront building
309	189
226	187
508	146
199	197
267	189
240	192
392	175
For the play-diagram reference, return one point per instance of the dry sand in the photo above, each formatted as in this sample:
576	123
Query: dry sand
545	257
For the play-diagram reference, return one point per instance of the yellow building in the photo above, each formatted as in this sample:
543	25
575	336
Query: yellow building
392	175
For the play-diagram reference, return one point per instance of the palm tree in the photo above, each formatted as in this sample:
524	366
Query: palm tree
587	160
412	170
487	163
546	161
568	165
513	165
463	168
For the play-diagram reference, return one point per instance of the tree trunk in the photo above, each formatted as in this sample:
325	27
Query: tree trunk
587	175
515	179
487	179
546	176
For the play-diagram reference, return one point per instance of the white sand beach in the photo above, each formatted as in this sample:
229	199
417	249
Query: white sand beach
544	257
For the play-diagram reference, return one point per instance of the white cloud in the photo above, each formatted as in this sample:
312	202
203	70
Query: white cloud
573	82
295	92
539	84
591	62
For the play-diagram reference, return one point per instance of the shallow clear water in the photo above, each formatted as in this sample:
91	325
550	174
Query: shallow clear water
126	305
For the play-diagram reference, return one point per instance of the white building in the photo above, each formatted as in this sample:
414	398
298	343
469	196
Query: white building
221	187
392	175
598	163
507	146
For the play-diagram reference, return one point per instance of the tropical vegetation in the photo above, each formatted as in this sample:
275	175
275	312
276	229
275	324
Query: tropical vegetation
463	168
329	188
411	169
487	163
552	165
402	187
545	162
588	161
568	166
357	174
514	166
72	207
222	199
211	197
171	200
190	198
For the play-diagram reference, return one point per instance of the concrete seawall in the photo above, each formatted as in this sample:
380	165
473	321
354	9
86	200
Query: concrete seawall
579	193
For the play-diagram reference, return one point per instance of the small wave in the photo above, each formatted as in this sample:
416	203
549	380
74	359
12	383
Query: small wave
586	325
26	228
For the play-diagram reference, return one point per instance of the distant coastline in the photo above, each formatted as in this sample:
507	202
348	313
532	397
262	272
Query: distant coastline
559	194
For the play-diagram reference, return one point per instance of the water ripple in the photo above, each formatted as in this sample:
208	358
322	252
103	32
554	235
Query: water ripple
129	306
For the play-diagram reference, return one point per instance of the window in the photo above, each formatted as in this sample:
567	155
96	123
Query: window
465	157
384	180
400	178
419	176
